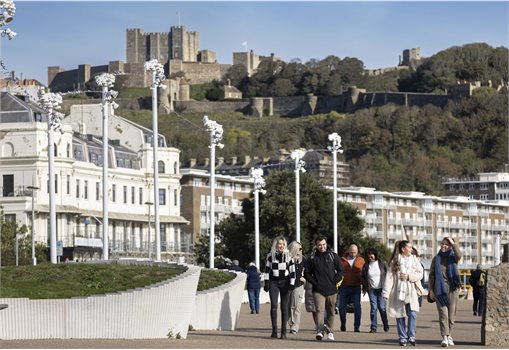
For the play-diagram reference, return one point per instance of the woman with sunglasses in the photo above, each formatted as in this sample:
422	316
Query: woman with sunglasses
444	286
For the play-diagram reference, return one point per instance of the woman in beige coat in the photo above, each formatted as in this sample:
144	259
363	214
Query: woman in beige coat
401	290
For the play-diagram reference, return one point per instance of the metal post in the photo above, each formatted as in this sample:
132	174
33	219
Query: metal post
52	206
216	134
335	147
297	201
34	258
105	111
259	184
212	200
335	198
155	145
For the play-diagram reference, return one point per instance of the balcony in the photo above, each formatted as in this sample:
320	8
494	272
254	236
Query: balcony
17	191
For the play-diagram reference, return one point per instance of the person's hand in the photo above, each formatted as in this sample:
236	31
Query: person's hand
266	286
302	279
386	299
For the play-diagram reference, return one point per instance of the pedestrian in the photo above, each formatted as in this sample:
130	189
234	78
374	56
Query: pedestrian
416	253
351	286
373	278
253	288
235	266
324	271
401	290
296	295
279	278
444	286
478	281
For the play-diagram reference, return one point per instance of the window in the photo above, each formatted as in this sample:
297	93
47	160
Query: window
160	167
133	195
202	200
162	196
125	194
97	189
55	149
77	188
114	193
175	167
85	189
68	184
483	186
196	181
140	195
484	197
175	197
68	150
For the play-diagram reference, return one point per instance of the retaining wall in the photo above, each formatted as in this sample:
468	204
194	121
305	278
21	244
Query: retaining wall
219	308
142	313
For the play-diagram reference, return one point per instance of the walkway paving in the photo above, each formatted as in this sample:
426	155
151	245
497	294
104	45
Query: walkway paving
253	332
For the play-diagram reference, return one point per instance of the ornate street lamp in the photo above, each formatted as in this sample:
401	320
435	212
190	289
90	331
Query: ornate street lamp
216	135
106	81
158	77
49	102
335	147
259	185
299	168
7	16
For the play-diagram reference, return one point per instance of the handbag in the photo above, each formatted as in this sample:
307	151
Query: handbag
350	308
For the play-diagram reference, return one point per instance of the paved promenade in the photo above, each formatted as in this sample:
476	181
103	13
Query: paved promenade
253	332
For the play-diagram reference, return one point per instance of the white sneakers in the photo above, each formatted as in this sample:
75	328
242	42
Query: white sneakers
447	341
330	336
450	341
319	336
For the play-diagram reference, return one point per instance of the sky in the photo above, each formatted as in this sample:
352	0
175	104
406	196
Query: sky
70	33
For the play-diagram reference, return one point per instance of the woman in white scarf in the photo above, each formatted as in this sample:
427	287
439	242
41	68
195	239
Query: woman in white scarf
401	290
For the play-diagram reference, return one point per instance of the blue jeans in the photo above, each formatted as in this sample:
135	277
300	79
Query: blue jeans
346	294
377	302
407	332
254	299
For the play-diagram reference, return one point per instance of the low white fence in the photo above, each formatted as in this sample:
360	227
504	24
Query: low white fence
155	311
219	308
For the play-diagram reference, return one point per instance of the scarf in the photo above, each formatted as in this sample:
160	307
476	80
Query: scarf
452	276
404	286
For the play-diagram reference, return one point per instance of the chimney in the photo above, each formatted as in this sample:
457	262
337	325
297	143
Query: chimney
229	82
206	162
234	160
192	162
247	160
220	160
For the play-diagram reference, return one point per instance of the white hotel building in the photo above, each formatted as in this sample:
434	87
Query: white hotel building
78	179
480	227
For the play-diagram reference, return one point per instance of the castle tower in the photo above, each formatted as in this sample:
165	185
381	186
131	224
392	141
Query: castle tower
136	46
411	56
184	45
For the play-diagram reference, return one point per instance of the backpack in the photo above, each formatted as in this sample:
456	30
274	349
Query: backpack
482	280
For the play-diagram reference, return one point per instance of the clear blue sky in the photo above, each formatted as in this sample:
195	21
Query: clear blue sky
69	33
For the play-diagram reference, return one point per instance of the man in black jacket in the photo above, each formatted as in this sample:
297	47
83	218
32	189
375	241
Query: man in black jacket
324	271
477	284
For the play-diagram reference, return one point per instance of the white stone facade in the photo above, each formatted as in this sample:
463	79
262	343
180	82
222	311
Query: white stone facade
78	170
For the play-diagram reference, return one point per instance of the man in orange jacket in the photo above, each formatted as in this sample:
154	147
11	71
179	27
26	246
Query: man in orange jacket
350	289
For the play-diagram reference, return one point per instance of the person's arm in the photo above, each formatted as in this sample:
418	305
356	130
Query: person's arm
431	278
308	272
389	280
339	270
291	271
417	272
457	252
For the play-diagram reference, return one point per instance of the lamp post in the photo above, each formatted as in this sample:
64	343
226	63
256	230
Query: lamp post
106	81
7	16
299	168
216	135
34	259
149	238
49	102
259	184
335	147
158	77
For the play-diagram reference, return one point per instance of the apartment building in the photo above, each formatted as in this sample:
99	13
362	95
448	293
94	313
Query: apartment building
480	227
486	186
78	181
195	206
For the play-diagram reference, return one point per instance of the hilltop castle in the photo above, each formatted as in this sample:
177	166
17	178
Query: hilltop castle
178	50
